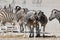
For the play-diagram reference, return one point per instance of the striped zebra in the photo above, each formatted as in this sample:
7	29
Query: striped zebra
26	18
6	16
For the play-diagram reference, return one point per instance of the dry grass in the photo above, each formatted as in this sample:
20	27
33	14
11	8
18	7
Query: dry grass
29	38
20	37
11	36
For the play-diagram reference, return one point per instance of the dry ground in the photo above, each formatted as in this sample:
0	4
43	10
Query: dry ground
29	38
20	37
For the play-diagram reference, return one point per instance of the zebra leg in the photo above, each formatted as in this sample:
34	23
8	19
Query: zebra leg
31	32
21	28
43	31
3	23
37	31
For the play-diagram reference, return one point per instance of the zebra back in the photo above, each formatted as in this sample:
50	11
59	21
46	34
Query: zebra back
6	15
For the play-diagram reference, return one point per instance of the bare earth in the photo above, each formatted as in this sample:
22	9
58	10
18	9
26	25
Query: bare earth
20	37
29	38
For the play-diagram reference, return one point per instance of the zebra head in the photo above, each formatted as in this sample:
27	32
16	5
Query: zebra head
25	10
4	7
53	14
17	8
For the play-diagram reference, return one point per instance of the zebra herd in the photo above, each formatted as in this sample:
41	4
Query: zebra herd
26	17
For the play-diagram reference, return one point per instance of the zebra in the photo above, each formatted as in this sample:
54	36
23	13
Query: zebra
25	17
6	16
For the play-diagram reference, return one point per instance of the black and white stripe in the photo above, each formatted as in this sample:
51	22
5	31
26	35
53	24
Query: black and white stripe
6	16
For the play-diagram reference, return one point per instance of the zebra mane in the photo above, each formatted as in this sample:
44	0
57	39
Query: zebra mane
56	10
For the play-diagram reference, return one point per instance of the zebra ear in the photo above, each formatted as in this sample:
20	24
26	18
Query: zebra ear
35	13
42	12
9	5
4	7
24	9
38	13
17	8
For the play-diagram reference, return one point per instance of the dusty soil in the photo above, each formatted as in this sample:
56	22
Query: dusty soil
20	37
29	38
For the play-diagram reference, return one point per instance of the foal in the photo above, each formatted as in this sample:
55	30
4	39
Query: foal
43	20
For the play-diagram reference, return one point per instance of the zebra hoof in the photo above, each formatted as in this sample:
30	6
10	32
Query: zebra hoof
38	36
31	36
43	36
21	31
